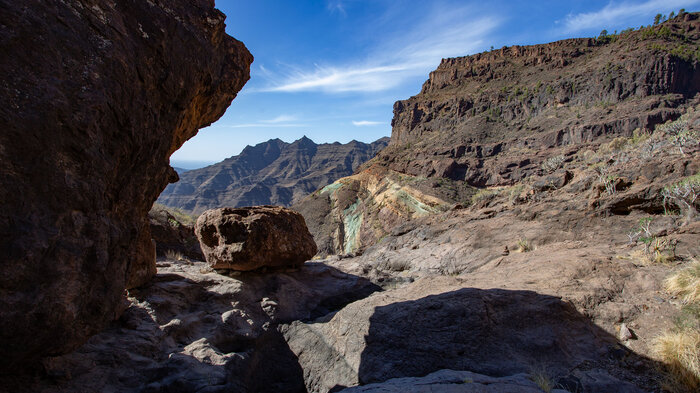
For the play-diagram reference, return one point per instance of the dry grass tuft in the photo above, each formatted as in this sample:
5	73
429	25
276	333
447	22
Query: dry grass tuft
542	380
175	255
681	353
679	348
686	283
524	245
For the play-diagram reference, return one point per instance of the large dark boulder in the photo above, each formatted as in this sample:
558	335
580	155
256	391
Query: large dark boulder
95	97
249	238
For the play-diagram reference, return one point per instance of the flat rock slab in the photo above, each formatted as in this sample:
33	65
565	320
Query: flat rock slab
436	323
249	238
450	381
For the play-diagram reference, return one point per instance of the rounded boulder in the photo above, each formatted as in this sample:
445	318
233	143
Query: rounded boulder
249	238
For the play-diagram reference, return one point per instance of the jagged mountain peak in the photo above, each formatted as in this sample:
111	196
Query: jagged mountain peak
271	172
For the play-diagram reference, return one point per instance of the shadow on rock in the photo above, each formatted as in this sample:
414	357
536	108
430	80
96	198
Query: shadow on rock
195	331
499	333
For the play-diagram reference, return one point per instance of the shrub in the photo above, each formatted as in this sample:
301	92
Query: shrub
552	163
179	215
484	194
656	249
610	183
680	135
542	380
617	144
684	194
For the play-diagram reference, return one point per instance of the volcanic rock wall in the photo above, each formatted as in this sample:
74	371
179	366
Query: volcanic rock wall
96	95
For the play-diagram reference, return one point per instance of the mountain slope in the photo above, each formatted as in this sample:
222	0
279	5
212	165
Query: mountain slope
272	172
494	119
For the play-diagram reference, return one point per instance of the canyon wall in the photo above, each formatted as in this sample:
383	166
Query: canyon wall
493	118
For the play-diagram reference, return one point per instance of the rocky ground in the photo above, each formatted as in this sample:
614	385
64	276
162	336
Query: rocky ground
319	328
193	329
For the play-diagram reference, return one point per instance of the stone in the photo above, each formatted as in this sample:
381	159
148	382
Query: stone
554	181
250	238
626	333
96	96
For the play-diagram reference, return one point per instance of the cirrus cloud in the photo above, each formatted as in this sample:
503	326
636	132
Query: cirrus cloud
448	31
616	12
366	123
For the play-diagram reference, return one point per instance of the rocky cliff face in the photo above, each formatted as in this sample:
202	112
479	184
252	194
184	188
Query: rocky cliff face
270	173
96	96
492	120
556	282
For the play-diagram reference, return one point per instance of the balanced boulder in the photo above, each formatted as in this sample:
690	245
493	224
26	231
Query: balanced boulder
249	238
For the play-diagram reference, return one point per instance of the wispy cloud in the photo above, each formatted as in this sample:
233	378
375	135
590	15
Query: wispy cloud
615	12
280	121
366	123
266	125
336	6
445	32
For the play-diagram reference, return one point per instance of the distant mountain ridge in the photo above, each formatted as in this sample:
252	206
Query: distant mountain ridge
270	173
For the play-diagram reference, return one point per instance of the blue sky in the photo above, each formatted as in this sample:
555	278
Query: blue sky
332	69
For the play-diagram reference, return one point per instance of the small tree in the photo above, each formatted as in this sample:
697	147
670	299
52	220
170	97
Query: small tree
603	34
671	15
657	19
684	194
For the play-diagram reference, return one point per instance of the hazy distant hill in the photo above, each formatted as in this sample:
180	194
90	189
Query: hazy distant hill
272	172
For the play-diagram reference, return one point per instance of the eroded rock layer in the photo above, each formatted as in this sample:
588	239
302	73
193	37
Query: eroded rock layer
494	119
95	97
